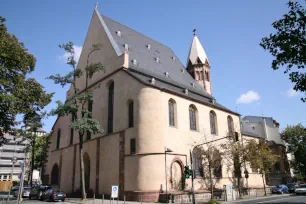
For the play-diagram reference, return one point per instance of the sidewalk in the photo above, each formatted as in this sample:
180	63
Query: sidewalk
99	201
252	199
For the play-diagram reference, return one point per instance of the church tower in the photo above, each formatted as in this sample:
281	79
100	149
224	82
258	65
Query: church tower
198	65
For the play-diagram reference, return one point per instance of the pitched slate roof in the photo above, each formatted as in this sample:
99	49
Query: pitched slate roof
150	59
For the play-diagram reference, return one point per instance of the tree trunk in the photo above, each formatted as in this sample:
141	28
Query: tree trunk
238	182
32	162
82	174
263	181
211	183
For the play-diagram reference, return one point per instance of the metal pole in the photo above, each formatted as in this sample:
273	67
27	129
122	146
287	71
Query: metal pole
124	199
117	200
94	197
102	198
192	177
11	180
141	198
166	177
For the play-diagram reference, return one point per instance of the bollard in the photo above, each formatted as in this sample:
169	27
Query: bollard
102	198
94	197
124	199
117	200
141	199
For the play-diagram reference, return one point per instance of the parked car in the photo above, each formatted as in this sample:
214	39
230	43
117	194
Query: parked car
292	187
53	195
281	189
38	191
26	192
301	189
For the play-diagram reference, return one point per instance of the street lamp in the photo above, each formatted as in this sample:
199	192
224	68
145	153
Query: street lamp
166	150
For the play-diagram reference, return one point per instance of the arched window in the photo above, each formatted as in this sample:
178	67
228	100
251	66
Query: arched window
131	113
172	112
89	108
213	123
55	175
230	125
197	156
71	131
193	117
110	107
58	139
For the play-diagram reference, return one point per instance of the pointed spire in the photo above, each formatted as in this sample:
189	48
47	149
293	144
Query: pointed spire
196	52
96	6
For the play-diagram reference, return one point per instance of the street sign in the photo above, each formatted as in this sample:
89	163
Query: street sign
21	164
115	190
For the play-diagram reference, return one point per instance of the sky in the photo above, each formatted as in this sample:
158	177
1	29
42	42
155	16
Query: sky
230	32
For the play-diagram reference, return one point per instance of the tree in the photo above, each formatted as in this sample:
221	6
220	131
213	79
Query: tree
295	137
261	157
235	154
208	159
288	45
19	94
75	106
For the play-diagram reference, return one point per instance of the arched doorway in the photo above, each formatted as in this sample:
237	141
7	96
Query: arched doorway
86	160
55	175
177	176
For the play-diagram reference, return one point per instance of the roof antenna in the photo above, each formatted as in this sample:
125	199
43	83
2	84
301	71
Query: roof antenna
194	31
96	6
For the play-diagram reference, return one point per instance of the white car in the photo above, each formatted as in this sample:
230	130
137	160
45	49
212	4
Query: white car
301	189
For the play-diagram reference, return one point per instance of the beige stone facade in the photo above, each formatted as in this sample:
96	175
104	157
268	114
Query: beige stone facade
110	160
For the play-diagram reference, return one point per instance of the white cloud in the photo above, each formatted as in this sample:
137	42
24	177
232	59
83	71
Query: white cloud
77	53
249	97
291	93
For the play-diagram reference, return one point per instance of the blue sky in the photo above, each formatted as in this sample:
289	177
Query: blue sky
230	32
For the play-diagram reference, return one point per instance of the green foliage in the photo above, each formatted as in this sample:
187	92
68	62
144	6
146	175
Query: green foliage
288	45
213	202
295	137
39	154
18	93
78	104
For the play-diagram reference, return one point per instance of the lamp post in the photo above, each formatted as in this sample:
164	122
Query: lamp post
13	160
166	150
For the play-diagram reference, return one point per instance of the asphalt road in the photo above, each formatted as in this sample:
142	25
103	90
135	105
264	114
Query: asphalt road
280	199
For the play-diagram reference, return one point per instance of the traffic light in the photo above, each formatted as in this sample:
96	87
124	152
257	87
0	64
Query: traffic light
187	172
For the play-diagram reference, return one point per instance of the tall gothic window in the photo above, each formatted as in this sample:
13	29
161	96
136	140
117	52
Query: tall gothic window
207	75
89	108
133	146
131	113
71	131
171	105
58	139
193	117
110	107
213	123
230	125
198	162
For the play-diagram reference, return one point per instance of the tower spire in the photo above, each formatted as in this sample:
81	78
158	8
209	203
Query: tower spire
198	65
96	6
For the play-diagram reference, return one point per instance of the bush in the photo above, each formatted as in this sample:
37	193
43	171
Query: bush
213	202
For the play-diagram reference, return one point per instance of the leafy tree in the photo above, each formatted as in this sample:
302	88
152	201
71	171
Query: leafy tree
288	45
77	104
18	93
295	137
261	156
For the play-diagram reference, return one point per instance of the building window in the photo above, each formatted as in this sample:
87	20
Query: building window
110	107
172	113
236	137
89	108
213	123
197	156
58	139
133	146
131	114
277	167
207	75
193	117
71	131
217	168
230	125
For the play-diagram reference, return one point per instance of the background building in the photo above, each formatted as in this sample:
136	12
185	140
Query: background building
268	129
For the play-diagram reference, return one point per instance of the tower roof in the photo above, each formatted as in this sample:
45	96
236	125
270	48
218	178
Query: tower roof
196	52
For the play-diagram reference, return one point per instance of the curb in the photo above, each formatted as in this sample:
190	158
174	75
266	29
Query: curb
258	198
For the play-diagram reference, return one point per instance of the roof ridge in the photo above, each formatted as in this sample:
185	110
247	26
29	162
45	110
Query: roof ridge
137	32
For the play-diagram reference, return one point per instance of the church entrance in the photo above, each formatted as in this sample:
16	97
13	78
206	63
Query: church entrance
55	175
177	176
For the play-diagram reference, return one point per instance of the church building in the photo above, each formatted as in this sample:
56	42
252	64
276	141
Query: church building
153	110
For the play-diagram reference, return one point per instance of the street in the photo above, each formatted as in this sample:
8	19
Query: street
280	199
